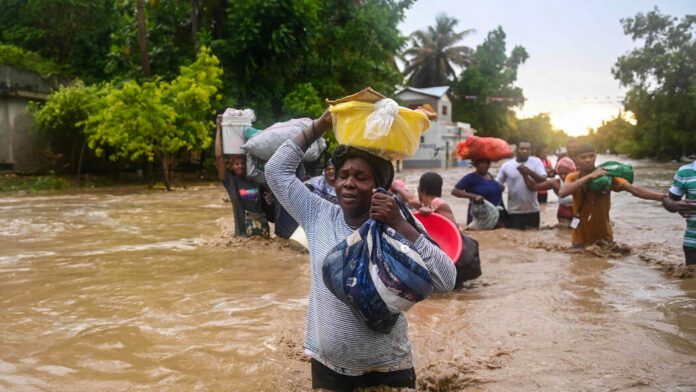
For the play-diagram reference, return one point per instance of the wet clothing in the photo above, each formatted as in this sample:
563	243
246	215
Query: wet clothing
684	184
565	207
690	255
521	200
324	377
487	187
543	195
593	210
248	205
524	221
335	337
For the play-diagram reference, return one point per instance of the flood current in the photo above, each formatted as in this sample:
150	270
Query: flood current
127	289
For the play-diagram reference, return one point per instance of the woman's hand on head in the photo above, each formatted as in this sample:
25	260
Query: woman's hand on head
385	209
323	123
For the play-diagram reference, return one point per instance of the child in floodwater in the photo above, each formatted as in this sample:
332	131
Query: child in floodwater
429	200
251	204
591	223
685	185
429	196
346	354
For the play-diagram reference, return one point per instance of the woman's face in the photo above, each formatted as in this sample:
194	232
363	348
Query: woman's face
238	166
482	167
354	185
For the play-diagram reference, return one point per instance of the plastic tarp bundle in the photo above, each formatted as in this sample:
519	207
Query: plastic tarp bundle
378	273
255	169
490	148
485	216
613	169
264	144
382	128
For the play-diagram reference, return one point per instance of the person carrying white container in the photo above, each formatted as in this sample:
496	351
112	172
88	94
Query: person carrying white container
251	204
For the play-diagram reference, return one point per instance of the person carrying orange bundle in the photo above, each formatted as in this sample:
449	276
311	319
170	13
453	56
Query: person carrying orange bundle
483	148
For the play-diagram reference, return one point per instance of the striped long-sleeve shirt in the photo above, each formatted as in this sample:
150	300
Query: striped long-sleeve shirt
335	337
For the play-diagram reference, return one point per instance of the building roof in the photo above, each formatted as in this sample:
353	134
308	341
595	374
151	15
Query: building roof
436	92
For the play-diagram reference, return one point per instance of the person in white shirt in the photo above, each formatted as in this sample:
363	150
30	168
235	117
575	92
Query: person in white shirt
523	206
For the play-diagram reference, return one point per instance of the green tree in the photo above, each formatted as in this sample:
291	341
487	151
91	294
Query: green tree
158	119
20	58
434	53
484	94
62	118
70	33
617	136
538	130
661	75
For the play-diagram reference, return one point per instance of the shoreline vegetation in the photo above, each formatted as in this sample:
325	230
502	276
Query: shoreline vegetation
58	183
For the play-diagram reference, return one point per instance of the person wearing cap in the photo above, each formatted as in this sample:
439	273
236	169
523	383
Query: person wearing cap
684	184
523	205
345	353
590	222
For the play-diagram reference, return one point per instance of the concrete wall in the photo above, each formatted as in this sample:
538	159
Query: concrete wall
20	146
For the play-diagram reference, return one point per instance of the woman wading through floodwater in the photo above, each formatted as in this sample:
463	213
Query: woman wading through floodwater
345	353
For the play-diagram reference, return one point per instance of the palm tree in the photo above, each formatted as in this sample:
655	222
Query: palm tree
433	54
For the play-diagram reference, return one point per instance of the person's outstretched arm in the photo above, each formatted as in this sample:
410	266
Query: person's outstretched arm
292	194
219	159
641	192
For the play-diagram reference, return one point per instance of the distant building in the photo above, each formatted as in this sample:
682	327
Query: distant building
20	147
438	143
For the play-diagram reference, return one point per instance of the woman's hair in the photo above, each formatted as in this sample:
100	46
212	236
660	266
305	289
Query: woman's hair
431	184
382	170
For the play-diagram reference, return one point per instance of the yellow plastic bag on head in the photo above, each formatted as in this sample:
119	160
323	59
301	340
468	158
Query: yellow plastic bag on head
382	128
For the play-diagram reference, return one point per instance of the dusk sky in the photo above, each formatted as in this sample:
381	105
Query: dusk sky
572	47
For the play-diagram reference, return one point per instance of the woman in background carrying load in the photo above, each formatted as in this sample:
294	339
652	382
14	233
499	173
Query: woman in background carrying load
251	204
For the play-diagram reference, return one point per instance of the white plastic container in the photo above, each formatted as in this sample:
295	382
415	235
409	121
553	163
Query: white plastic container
233	133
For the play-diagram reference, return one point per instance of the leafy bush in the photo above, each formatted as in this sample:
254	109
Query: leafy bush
20	58
48	183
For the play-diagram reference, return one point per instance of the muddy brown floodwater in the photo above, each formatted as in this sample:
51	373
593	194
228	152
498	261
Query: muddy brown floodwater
124	289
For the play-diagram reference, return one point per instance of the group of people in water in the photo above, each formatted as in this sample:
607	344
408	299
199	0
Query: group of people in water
345	353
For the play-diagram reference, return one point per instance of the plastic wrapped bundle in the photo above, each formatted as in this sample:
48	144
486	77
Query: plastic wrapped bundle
485	216
382	128
378	273
613	169
490	148
262	145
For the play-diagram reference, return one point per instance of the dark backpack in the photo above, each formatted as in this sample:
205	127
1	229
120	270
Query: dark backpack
468	265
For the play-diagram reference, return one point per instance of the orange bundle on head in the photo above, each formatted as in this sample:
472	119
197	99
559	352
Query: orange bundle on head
490	148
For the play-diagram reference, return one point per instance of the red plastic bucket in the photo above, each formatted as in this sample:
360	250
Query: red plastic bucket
444	233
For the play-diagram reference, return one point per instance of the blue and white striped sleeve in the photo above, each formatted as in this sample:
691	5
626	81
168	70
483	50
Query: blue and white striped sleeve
296	198
441	267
